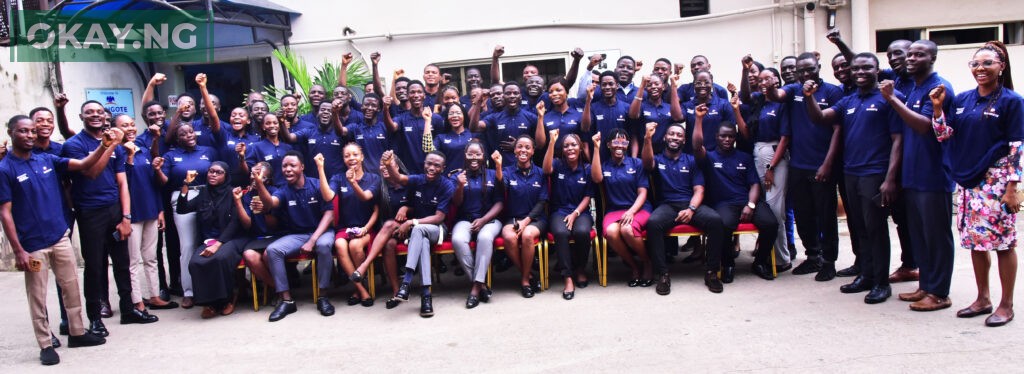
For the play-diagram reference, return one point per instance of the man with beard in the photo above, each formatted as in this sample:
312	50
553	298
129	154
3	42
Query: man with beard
399	95
533	83
289	113
841	70
407	129
686	92
787	69
625	68
926	181
431	85
317	93
813	153
680	191
872	150
502	128
307	221
474	81
609	113
325	139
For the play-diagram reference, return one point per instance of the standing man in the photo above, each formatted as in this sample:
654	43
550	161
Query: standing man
686	92
31	212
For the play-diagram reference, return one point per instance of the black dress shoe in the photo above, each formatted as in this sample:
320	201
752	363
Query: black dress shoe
105	311
324	306
283	309
63	330
664	285
582	284
762	271
527	292
88	339
137	316
635	282
728	274
858	285
827	272
353	300
356	277
97	327
426	306
403	292
851	271
711	280
472	302
810	265
783	268
169	305
54	341
392	303
48	356
367	302
485	294
647	283
534	284
569	295
878	294
164	295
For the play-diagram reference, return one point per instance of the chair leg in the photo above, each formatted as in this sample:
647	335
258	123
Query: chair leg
316	285
603	258
490	269
255	293
774	273
370	281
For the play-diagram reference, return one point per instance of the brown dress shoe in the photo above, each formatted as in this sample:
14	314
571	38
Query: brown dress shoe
228	309
187	303
208	313
904	275
930	303
996	320
913	296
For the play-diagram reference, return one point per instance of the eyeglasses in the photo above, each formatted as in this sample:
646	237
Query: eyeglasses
974	64
215	172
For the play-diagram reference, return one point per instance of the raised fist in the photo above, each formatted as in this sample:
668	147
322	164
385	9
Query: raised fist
201	79
158	79
498	51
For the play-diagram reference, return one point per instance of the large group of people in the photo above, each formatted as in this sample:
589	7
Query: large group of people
512	165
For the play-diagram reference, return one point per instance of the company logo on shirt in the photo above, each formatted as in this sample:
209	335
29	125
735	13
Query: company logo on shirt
630	171
312	200
683	169
513	183
447	141
621	119
662	167
522	125
600	117
311	141
292	203
607	173
798	98
380	136
917	104
561	176
344	189
178	159
771	113
718	165
991	113
582	181
23	177
501	126
872	108
46	170
231	142
490	184
647	113
408	129
960	110
851	110
203	157
536	184
359	137
199	133
741	167
549	123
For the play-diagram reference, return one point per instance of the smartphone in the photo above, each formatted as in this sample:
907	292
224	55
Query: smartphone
117	235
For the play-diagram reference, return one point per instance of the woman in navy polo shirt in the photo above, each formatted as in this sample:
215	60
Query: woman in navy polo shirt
172	169
571	191
452	142
627	209
233	142
478	198
526	196
654	109
984	135
357	212
271	149
570	116
370	133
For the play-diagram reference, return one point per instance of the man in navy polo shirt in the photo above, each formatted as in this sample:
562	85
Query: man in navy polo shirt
307	220
926	181
872	149
205	126
317	93
608	113
625	69
432	193
681	192
686	92
289	113
103	212
503	128
813	153
370	133
407	129
325	139
734	190
31	212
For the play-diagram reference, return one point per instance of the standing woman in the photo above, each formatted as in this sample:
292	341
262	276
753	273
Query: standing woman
627	210
220	241
985	134
452	143
357	213
571	191
478	196
271	149
171	169
232	143
526	197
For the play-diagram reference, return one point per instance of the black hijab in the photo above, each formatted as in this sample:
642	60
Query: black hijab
216	209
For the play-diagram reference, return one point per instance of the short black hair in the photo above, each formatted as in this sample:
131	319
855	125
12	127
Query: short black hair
150	103
608	73
413	82
625	57
91	102
867	55
287	96
297	154
32	113
14	121
402	79
807	55
371	95
665	60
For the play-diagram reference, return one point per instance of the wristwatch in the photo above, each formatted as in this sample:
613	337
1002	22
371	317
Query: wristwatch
127	216
415	222
751	205
768	167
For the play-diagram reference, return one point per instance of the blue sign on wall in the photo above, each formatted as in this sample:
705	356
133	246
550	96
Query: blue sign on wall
116	100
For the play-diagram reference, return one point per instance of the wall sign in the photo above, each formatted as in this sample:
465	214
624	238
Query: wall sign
117	100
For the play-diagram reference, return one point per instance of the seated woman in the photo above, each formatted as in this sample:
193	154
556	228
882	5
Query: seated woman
627	210
526	198
259	224
216	257
478	196
571	191
357	214
394	206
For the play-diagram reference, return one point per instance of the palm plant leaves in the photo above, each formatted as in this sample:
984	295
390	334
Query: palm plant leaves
326	76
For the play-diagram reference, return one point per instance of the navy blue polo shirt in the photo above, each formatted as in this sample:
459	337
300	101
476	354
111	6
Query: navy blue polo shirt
466	101
569	186
204	134
300	125
178	162
143	186
982	133
301	208
408	140
868	122
660	114
353	117
309	117
396	110
809	142
925	164
621	182
326	142
566	123
259	221
429	197
33	188
687	93
523	189
226	142
264	150
398	196
146	137
505	124
353	211
530	103
606	117
677	177
719	111
625	94
771	123
729	178
54	149
373	138
453	146
99	192
429	100
479	194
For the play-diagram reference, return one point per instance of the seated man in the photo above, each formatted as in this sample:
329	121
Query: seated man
432	192
681	192
301	206
735	192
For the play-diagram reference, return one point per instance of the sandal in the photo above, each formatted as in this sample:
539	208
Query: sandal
970	313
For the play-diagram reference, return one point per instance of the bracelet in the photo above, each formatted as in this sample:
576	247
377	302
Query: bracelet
637	98
691	207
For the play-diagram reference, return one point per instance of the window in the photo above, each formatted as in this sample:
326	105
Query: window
884	37
550	66
691	8
458	73
964	36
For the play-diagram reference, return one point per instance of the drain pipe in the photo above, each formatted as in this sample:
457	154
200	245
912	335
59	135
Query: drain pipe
860	22
810	43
